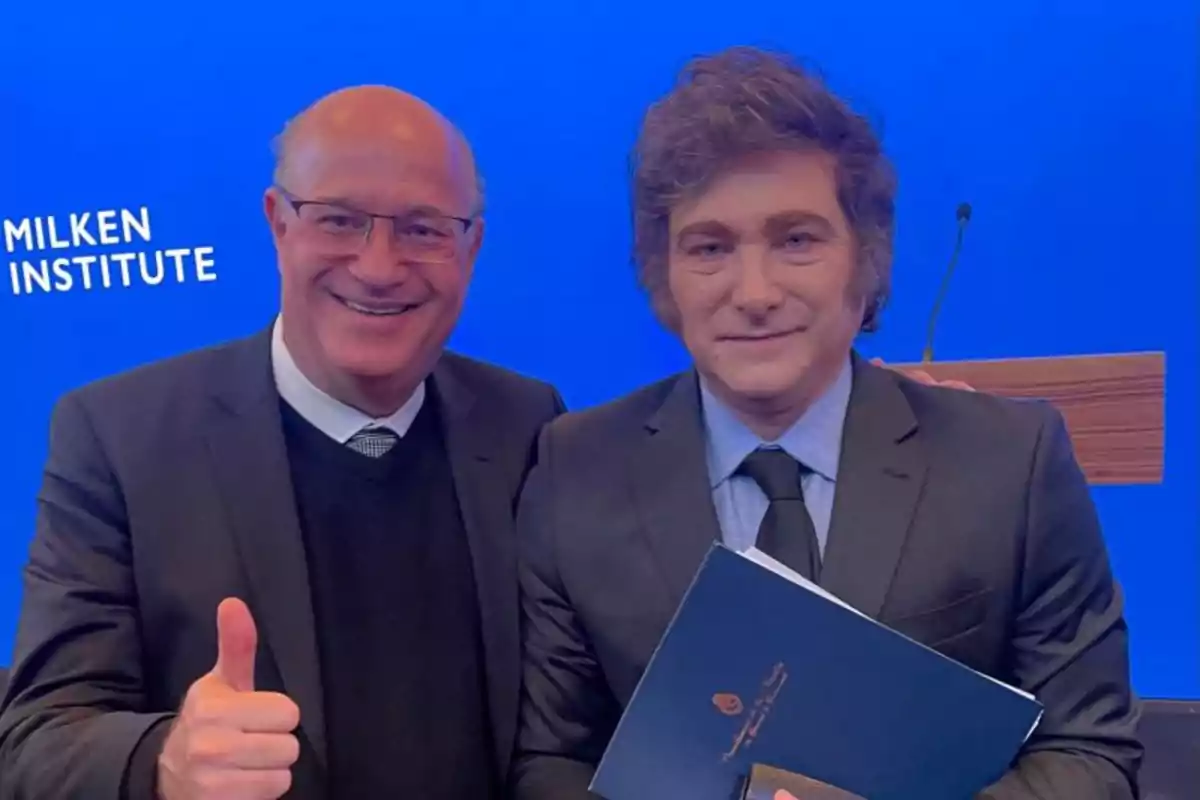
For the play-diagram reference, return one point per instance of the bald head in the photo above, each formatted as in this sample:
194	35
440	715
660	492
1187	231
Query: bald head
374	120
367	306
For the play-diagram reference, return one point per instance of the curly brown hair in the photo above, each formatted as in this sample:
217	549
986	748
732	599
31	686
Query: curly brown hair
745	100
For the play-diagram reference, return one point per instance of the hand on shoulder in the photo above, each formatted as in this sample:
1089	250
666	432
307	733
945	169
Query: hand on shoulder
924	377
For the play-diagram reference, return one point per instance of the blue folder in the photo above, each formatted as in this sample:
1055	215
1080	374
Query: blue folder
760	666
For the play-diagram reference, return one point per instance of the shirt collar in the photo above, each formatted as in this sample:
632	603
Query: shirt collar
332	417
814	440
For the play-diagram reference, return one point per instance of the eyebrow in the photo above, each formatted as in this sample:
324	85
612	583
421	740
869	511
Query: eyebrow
705	227
787	219
422	210
774	223
333	201
782	219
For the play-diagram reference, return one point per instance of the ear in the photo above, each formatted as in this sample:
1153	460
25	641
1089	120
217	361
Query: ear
274	206
476	242
665	310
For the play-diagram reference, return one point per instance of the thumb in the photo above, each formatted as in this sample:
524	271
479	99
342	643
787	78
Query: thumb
237	639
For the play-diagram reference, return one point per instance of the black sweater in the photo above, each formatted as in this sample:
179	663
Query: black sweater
397	616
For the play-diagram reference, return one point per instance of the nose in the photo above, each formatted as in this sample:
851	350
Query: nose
381	262
755	292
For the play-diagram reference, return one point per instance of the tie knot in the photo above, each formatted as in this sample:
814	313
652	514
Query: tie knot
775	472
373	442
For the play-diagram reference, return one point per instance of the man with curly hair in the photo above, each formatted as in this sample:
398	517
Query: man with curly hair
763	218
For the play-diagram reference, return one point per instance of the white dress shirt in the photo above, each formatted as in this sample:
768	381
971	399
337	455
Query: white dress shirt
332	417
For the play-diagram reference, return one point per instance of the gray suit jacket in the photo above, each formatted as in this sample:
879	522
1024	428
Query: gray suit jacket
960	519
167	489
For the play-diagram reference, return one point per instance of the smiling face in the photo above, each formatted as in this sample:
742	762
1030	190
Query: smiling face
762	273
376	240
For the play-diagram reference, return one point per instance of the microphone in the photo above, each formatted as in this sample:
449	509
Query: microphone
963	214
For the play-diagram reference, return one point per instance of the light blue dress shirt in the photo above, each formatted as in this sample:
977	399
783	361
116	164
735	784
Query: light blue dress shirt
815	440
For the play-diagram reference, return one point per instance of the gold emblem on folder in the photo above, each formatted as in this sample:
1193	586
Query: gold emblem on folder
758	713
729	704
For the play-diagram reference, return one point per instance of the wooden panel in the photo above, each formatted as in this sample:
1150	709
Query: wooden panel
1113	404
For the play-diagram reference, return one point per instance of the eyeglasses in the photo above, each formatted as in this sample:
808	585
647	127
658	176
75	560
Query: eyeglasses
424	235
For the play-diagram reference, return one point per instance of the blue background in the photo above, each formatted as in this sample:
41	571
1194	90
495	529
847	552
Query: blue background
1070	126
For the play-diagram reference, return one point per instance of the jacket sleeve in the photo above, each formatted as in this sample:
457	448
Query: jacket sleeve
567	712
75	710
1070	644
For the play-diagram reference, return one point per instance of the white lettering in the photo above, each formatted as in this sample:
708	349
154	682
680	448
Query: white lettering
122	260
12	233
121	226
107	227
203	262
157	278
86	269
105	278
92	234
33	275
79	232
85	265
55	242
64	280
178	255
139	224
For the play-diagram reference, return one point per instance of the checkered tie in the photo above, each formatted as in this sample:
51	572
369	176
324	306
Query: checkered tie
373	442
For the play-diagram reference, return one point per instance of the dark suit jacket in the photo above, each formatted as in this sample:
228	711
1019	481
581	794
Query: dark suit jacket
960	519
167	489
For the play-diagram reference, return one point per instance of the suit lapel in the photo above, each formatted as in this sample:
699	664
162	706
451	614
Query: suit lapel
486	500
879	481
249	460
671	487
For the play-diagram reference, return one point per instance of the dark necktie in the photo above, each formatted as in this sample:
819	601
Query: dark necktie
787	533
373	442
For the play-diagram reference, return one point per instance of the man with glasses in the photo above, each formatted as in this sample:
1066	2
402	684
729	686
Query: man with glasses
285	564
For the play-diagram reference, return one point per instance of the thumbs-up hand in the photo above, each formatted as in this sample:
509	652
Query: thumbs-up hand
237	641
228	739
